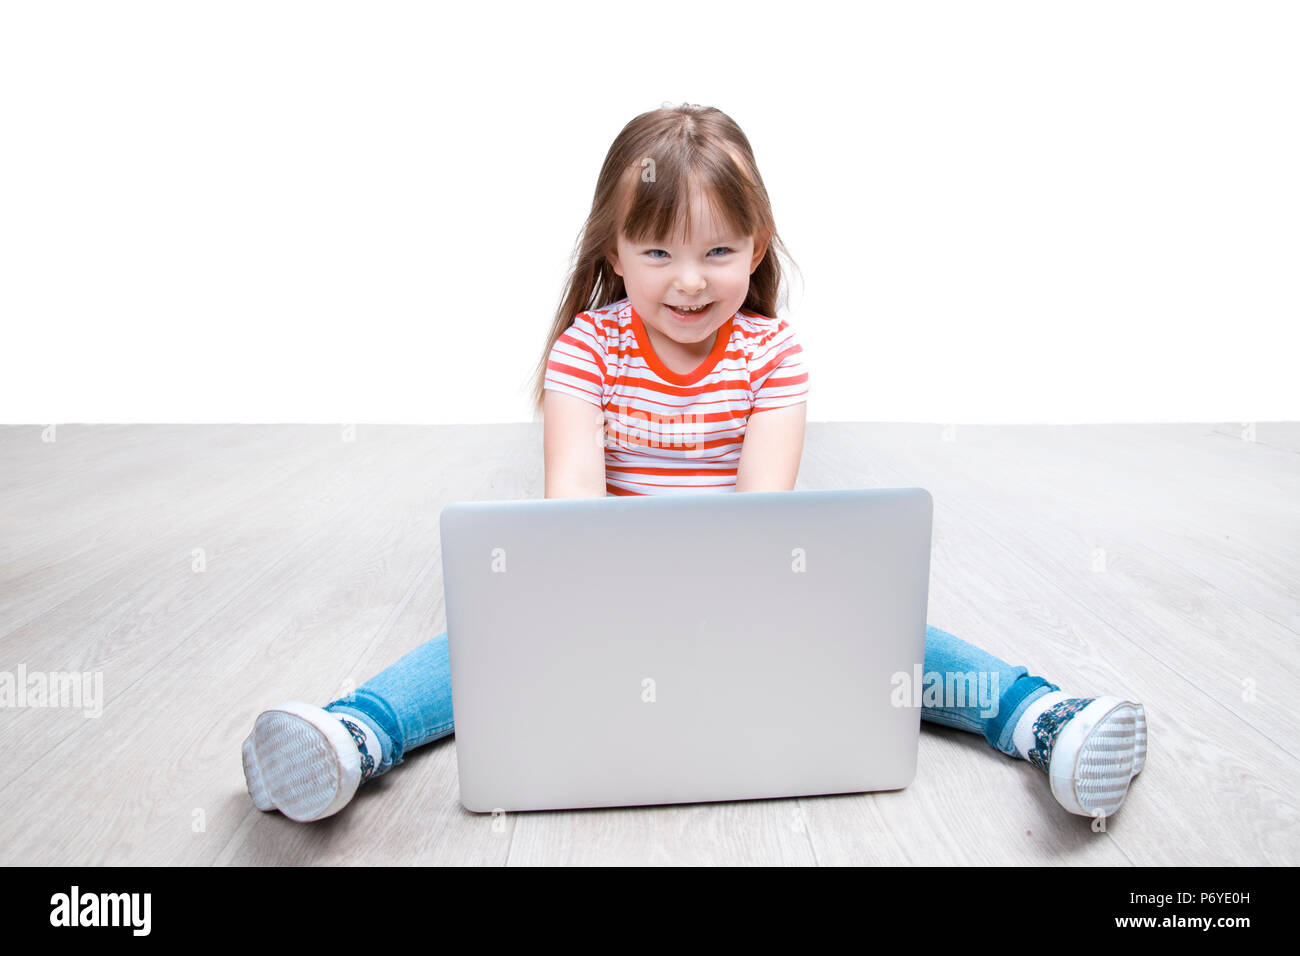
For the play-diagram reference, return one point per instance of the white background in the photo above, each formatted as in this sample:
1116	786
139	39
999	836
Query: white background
339	212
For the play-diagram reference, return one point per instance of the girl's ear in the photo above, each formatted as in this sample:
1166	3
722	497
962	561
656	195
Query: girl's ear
612	258
760	250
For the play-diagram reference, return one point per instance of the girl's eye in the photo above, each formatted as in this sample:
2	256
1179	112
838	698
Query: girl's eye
725	250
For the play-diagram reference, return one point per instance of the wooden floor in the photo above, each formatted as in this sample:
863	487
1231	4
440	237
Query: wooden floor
207	572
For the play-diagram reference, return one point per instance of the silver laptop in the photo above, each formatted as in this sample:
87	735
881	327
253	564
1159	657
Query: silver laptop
626	651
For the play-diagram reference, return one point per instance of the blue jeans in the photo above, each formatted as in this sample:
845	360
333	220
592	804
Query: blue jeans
409	704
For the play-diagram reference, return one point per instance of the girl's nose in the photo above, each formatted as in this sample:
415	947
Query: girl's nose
690	283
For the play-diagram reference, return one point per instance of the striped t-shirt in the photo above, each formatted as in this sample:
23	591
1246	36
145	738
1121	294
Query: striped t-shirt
666	432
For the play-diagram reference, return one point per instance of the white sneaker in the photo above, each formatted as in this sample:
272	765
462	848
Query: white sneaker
301	760
1097	750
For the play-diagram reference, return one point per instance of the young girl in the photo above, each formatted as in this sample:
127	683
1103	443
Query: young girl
667	372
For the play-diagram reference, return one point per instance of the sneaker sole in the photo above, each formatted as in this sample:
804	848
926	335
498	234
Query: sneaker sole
292	762
1109	741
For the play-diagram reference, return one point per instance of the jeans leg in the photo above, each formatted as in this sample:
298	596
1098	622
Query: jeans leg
409	703
970	689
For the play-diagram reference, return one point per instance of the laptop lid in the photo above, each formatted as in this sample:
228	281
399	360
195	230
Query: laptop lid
627	651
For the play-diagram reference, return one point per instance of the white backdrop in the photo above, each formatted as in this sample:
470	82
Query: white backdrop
339	212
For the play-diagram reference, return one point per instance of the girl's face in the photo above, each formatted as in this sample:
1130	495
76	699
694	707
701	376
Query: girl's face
713	270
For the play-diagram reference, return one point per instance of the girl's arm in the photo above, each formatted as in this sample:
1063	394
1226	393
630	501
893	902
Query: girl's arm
769	456
574	441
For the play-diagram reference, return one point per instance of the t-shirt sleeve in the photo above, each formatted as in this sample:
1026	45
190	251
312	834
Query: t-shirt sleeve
777	375
576	364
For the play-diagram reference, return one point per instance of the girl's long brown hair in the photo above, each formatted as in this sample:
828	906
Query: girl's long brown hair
644	190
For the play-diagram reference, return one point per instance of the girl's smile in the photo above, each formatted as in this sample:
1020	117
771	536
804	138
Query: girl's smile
696	314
